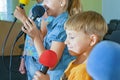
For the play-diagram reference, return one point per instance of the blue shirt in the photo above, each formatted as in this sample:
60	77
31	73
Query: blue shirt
56	32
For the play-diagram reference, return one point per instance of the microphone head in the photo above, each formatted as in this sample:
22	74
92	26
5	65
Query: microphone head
104	61
48	58
25	2
38	11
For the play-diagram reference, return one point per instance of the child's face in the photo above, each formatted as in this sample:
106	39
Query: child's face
53	7
78	43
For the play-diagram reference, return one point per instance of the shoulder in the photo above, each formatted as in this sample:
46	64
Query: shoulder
81	69
61	19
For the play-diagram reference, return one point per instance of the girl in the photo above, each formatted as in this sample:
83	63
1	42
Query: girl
53	36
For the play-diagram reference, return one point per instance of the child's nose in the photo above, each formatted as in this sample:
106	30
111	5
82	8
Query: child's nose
66	42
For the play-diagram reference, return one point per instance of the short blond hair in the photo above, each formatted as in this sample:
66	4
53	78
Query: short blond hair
90	22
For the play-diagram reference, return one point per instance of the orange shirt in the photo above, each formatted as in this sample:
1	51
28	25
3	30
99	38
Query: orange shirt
76	72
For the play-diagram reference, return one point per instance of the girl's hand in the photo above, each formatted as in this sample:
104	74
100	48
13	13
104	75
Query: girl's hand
20	14
31	29
40	76
22	67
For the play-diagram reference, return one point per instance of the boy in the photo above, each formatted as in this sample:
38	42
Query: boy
84	31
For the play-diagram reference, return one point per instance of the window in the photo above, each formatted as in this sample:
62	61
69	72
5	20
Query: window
3	9
3	6
6	10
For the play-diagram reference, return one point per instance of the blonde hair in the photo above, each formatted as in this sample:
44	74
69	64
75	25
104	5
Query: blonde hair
90	22
74	6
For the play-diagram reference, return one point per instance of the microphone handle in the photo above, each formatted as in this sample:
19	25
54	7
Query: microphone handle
22	6
19	35
44	69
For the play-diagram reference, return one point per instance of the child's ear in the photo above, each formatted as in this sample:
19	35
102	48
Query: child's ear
94	39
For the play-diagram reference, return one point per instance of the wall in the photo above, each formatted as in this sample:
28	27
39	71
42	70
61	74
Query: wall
111	9
5	26
95	5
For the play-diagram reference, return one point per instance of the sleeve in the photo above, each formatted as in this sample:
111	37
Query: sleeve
58	34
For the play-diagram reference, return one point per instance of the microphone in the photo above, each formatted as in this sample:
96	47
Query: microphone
48	59
37	12
104	61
